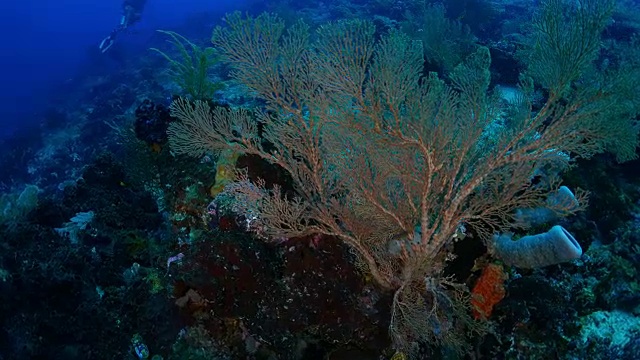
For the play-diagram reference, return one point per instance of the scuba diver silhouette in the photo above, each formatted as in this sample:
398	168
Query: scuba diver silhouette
131	14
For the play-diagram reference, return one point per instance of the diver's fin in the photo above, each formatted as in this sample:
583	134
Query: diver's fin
106	44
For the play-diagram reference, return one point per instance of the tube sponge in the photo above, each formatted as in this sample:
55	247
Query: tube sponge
562	198
553	247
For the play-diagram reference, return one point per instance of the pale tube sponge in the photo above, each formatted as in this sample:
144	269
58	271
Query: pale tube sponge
533	251
562	198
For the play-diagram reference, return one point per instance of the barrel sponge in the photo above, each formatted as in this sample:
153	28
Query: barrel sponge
553	247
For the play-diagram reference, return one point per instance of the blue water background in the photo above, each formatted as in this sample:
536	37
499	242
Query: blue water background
45	44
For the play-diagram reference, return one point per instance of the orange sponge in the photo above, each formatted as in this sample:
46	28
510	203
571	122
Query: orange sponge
488	291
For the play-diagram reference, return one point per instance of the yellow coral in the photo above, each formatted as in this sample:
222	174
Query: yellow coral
224	171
